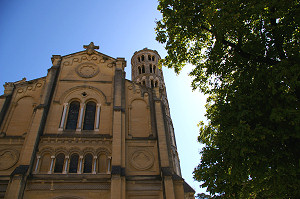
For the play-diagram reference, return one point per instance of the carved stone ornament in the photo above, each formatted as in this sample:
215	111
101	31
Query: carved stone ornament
8	158
142	160
90	49
87	70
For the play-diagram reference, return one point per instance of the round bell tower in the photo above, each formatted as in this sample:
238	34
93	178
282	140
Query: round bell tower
144	68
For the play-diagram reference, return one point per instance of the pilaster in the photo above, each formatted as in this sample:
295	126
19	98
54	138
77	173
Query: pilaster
19	176
118	143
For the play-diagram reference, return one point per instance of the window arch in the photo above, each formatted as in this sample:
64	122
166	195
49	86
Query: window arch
149	57
140	71
73	115
152	58
152	83
102	163
154	69
143	57
143	69
73	163
150	66
88	163
59	163
89	117
45	164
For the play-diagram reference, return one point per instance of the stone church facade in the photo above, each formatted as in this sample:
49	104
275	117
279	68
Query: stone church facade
84	131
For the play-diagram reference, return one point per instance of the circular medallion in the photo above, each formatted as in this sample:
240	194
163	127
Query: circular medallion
87	70
142	160
8	158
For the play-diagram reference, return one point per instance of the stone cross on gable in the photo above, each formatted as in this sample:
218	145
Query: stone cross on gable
90	49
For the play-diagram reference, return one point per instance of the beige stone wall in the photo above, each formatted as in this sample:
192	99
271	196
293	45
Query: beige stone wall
83	78
9	154
19	116
2	100
66	194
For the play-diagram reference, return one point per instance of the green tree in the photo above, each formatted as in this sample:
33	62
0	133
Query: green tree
246	58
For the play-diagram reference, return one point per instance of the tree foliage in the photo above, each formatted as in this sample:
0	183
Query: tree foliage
246	58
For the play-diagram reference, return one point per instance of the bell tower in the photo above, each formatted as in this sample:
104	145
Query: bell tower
144	69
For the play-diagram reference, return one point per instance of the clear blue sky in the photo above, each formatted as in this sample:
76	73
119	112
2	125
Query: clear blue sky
32	31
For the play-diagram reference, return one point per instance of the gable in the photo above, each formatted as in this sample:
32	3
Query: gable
87	67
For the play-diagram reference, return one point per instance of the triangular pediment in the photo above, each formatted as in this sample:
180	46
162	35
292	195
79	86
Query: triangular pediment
85	53
87	66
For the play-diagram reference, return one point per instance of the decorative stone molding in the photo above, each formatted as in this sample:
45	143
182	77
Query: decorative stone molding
142	160
8	158
90	49
87	70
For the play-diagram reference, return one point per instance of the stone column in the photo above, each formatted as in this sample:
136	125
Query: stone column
82	105
63	118
51	165
79	171
109	165
94	164
37	163
98	117
66	164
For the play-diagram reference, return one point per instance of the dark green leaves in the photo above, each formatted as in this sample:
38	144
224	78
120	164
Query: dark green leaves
246	57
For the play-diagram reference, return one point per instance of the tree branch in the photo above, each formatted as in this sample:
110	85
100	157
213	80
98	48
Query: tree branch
247	55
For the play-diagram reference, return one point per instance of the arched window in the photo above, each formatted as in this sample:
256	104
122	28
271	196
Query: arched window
150	68
143	69
59	163
156	83
73	115
154	69
149	57
140	71
89	117
139	59
143	58
152	84
88	162
73	163
46	161
102	164
152	58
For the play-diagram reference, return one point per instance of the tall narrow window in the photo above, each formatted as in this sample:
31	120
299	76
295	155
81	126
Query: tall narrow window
156	84
152	58
73	115
143	58
89	117
88	162
150	68
140	71
149	57
152	84
139	59
73	163
143	69
59	163
154	68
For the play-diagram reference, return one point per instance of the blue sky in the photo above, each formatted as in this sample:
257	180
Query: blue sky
32	31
